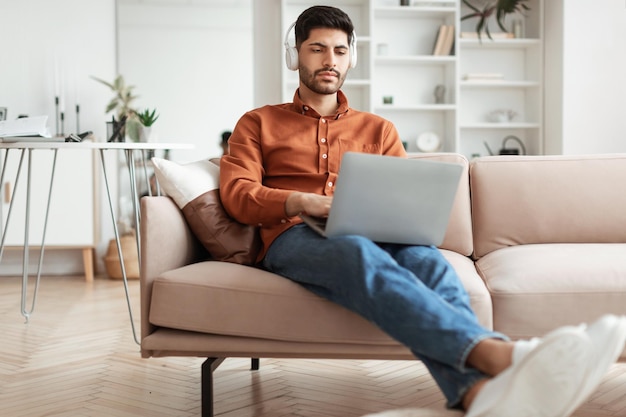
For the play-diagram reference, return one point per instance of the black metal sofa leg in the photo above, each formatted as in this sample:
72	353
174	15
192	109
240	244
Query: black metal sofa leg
208	366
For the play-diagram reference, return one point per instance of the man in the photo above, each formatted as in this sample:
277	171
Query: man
284	160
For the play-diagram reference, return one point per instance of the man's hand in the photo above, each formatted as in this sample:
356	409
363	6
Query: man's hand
312	204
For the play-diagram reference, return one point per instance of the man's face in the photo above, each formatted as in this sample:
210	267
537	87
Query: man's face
324	60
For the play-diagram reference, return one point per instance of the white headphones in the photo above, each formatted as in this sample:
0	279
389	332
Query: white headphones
291	52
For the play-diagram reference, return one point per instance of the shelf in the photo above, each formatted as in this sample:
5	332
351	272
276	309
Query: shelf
486	125
416	107
414	11
487	43
415	59
499	84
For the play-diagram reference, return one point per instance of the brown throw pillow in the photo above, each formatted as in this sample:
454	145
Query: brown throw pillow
195	189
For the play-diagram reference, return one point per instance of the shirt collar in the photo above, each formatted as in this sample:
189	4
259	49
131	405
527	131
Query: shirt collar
300	107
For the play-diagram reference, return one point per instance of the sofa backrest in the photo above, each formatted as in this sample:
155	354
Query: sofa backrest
459	233
520	200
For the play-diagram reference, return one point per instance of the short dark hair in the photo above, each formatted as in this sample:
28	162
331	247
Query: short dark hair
322	17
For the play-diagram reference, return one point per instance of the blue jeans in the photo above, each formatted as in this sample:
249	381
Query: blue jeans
410	292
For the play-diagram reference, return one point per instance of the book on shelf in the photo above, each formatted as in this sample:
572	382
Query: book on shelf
445	40
449	41
439	40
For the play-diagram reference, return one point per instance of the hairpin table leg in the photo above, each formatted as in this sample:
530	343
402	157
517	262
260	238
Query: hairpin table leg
119	245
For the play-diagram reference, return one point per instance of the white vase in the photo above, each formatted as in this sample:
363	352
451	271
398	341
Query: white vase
145	134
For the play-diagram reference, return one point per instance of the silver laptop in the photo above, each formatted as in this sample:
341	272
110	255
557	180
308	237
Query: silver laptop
391	199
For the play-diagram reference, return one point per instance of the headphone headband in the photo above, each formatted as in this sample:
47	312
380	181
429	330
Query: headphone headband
291	52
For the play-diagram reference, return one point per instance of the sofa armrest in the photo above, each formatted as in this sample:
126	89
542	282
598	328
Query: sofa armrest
166	243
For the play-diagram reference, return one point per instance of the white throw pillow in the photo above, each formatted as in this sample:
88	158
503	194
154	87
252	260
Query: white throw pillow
184	182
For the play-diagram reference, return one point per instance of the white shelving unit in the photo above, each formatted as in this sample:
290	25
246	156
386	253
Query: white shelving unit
519	62
395	47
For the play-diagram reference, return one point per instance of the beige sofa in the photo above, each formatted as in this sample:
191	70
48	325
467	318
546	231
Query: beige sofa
538	241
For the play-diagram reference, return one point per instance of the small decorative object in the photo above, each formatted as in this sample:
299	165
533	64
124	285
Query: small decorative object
501	116
512	151
405	2
483	9
382	49
387	99
3	113
428	142
112	262
147	119
508	151
440	92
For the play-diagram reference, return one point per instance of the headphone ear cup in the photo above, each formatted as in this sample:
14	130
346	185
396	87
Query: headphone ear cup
353	49
291	58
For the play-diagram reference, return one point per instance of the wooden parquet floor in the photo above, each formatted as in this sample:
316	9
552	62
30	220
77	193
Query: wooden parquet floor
77	357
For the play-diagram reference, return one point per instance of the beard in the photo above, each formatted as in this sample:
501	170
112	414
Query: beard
310	80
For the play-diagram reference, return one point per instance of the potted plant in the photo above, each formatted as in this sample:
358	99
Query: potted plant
484	9
127	122
147	119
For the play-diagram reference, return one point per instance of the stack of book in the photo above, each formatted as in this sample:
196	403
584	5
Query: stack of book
445	40
26	129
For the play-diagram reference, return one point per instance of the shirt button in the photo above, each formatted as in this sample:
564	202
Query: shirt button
323	120
323	140
330	183
324	156
283	221
260	224
306	108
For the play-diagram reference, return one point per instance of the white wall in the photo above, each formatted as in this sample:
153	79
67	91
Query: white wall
586	100
193	61
268	52
79	36
78	39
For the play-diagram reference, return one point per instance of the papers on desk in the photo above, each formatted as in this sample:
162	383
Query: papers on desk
25	129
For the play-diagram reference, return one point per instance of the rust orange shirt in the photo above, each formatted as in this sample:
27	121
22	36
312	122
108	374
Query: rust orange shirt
278	149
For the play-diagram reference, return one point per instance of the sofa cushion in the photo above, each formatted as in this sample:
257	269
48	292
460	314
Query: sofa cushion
458	236
519	200
536	288
235	300
195	189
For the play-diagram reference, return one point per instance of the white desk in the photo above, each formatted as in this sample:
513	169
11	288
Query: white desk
129	149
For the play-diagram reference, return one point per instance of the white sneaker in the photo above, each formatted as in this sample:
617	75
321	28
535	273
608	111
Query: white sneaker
524	346
608	336
543	383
